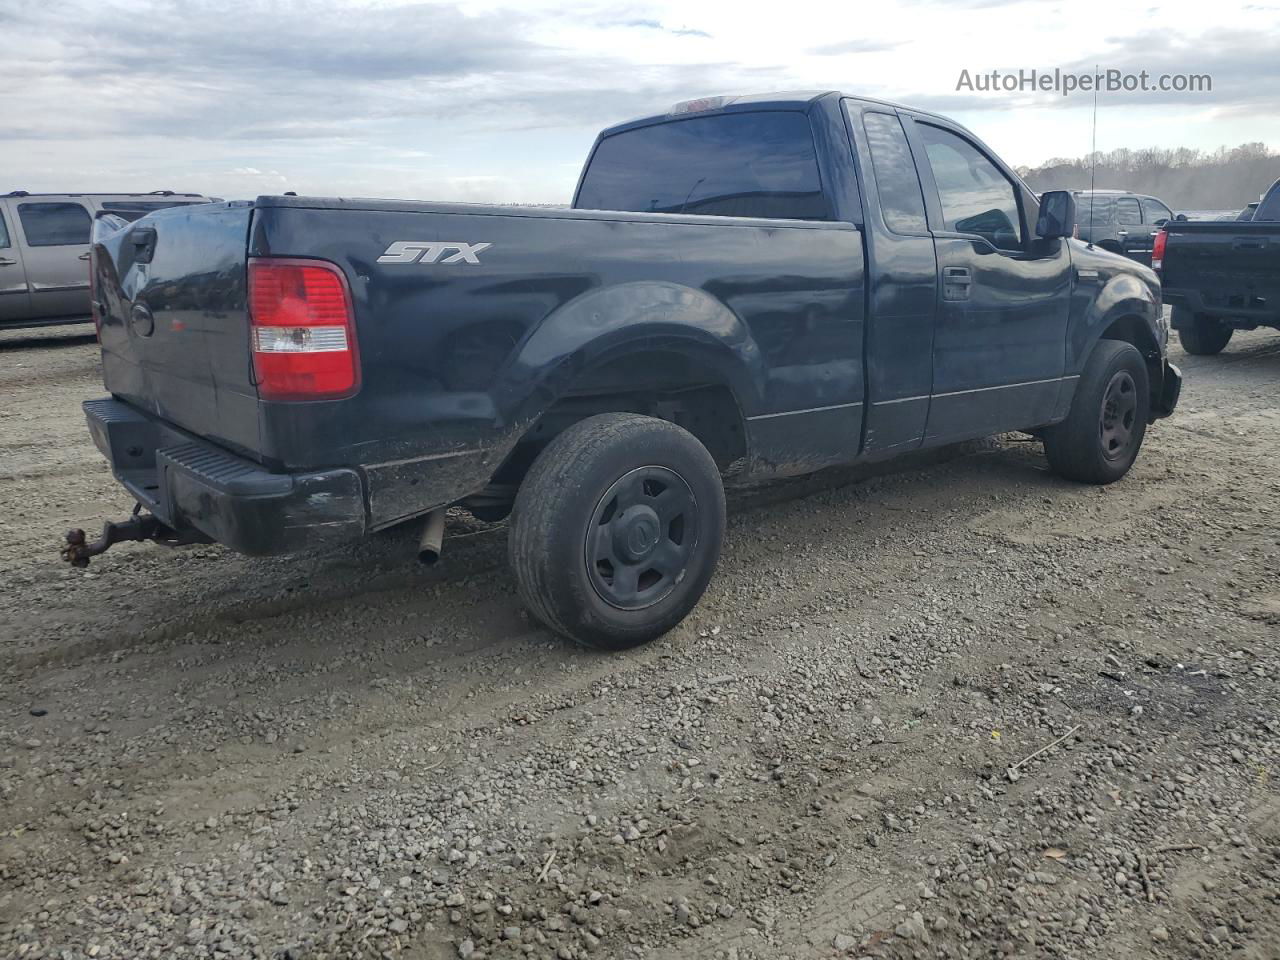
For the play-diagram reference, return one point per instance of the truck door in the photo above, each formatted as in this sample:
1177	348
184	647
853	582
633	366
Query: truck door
1135	238
55	235
999	350
15	305
902	284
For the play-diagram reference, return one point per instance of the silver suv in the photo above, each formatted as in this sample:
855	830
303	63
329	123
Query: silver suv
44	250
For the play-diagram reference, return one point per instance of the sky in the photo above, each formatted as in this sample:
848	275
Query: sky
496	101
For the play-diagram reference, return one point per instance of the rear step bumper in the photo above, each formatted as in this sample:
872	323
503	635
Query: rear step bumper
1242	308
191	484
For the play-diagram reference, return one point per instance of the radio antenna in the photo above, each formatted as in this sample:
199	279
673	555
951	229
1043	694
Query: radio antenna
1093	156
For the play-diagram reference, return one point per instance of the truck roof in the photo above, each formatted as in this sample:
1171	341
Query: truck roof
778	100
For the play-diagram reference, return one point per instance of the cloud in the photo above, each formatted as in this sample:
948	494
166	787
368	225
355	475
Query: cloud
658	25
854	46
406	96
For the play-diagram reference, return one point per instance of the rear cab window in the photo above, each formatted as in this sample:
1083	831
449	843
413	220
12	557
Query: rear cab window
54	224
749	164
901	199
1269	208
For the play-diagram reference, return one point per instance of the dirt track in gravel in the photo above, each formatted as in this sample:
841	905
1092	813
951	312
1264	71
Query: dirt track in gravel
344	754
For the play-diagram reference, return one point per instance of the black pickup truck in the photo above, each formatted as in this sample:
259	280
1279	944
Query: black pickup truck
1222	275
745	287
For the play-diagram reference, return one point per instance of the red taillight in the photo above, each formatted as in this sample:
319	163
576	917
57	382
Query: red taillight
302	329
1157	250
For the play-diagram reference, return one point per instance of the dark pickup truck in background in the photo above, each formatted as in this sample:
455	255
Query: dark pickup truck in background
1222	276
744	288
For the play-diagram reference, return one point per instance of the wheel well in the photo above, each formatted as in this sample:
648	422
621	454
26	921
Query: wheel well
1136	331
667	386
1111	246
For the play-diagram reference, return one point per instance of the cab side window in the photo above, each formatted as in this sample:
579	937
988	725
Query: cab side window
1127	211
1156	211
976	197
4	232
54	224
901	199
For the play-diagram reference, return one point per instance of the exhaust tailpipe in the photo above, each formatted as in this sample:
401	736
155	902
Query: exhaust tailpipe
432	539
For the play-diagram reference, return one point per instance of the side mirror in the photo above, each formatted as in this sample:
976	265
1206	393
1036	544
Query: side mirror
1057	215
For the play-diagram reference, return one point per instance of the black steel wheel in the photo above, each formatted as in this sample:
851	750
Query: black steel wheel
616	530
640	537
1117	421
1103	431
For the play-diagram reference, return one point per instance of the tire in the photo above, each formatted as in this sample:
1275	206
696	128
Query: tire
1102	434
1203	336
616	530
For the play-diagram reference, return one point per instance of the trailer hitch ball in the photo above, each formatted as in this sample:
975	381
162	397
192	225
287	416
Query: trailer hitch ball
78	549
73	552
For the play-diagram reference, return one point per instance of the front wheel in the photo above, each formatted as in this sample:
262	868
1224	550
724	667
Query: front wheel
1102	434
616	530
1203	336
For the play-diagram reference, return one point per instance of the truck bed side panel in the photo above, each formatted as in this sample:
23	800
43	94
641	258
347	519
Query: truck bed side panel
452	351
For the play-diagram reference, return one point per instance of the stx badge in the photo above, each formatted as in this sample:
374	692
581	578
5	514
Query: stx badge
407	251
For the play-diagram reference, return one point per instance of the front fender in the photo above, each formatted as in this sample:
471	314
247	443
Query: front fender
1121	295
605	324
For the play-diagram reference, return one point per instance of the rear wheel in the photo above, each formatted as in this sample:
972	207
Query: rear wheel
1102	434
1203	336
616	530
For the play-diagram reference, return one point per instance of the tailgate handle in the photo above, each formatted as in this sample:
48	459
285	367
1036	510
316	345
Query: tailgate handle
144	243
1249	244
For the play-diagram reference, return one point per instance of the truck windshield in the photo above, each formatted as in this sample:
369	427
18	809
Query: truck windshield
757	164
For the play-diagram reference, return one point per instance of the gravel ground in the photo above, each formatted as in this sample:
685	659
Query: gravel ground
961	710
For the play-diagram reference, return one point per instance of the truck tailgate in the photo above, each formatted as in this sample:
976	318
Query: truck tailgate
171	295
1234	267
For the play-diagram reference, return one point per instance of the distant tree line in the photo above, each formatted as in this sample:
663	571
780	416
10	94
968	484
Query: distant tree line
1185	179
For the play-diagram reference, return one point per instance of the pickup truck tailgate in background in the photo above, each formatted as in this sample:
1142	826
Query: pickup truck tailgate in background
1233	266
174	324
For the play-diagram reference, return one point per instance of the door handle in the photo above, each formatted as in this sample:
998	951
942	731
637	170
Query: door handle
1122	233
955	283
1154	232
6	262
83	256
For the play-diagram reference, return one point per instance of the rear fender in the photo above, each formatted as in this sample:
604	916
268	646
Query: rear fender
606	324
